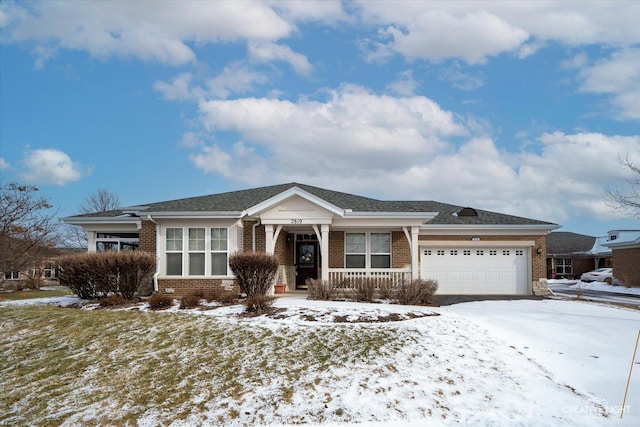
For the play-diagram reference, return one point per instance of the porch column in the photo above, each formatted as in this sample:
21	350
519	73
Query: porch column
268	230
415	253
324	251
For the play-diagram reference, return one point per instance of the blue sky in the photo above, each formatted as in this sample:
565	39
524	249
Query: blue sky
518	107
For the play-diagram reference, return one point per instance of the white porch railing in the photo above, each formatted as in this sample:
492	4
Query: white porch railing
393	275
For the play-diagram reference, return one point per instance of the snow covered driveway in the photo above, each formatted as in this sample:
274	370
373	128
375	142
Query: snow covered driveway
584	345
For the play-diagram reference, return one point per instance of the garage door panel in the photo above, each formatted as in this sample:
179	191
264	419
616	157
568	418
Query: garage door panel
477	271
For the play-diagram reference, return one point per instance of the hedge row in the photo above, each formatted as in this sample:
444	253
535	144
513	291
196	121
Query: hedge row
97	274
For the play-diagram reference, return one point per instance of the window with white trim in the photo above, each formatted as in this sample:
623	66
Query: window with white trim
219	251
355	250
12	275
196	251
174	251
367	250
564	266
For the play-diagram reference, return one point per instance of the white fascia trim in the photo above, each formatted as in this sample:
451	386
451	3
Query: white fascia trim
469	228
425	215
98	220
194	214
293	191
623	245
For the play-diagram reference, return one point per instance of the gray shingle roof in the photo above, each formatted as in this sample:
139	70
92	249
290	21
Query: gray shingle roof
238	201
567	243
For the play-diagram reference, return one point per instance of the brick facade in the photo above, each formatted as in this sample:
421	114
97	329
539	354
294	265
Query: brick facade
626	266
147	237
400	250
336	249
184	286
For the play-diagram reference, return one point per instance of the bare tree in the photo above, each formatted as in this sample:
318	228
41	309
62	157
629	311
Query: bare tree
628	203
101	200
28	230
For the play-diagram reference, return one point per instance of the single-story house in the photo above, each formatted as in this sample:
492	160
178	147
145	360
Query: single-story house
571	254
329	235
625	247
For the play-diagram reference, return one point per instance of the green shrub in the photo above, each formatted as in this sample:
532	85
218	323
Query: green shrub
417	292
258	303
160	301
255	272
96	274
191	300
321	289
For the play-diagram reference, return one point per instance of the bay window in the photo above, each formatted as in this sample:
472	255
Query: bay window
206	251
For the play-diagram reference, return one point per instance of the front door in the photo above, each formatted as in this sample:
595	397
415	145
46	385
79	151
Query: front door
306	263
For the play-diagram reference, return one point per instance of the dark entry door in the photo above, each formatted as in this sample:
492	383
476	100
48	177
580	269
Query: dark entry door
306	263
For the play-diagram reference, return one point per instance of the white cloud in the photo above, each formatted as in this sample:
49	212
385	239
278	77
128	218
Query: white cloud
150	31
50	166
234	79
405	85
474	31
619	77
577	61
459	79
268	52
409	147
4	165
180	88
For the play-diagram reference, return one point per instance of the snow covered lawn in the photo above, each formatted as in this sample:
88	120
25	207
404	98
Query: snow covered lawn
482	363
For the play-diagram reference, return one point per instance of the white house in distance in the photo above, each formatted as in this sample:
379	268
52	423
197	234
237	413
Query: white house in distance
329	235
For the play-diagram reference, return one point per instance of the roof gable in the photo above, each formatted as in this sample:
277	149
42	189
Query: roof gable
292	193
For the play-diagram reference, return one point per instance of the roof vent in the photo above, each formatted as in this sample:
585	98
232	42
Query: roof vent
467	212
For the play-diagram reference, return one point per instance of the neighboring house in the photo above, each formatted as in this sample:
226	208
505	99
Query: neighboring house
325	234
43	273
625	247
571	254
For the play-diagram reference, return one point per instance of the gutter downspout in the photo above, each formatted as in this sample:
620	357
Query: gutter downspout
157	273
253	235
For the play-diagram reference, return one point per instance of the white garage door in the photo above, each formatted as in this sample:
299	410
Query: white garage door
492	270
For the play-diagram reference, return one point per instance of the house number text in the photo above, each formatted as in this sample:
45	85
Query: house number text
296	221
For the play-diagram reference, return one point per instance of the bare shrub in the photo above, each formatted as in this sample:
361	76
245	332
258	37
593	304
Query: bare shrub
255	272
385	289
191	300
258	303
160	301
112	301
96	274
417	292
320	289
364	289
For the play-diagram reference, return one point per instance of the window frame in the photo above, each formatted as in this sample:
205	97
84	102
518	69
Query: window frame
174	251
193	243
562	264
369	251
